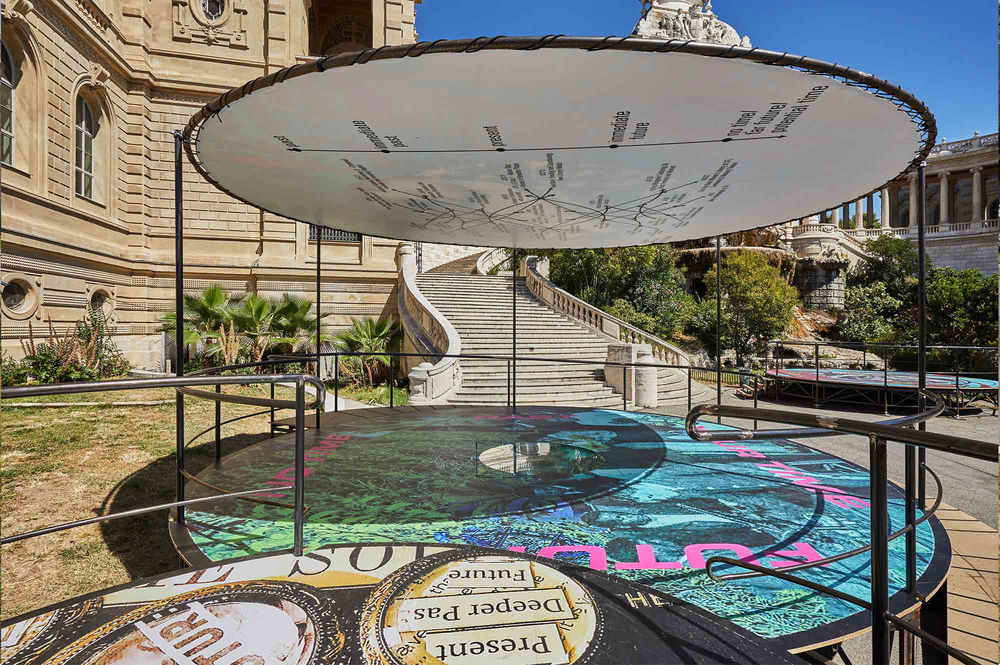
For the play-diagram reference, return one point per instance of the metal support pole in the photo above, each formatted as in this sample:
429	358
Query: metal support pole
179	313
880	550
300	465
336	382
513	281
392	370
218	427
718	323
319	300
921	214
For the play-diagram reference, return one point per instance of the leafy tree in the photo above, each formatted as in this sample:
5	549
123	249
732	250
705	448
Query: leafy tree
893	261
642	285
757	306
961	308
868	313
370	336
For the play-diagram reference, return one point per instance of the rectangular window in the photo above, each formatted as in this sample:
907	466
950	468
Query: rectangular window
333	235
84	164
6	125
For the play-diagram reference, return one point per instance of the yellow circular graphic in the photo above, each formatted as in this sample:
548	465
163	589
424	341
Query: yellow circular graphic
478	609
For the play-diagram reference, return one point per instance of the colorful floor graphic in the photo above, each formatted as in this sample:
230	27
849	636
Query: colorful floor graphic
626	493
398	604
878	378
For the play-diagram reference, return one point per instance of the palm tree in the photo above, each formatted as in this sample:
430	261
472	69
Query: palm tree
204	314
292	320
369	336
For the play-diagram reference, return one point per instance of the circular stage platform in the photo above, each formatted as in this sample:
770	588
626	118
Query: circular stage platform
626	493
378	604
878	387
878	379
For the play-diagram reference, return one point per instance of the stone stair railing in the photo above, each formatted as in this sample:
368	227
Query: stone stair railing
535	270
490	259
425	330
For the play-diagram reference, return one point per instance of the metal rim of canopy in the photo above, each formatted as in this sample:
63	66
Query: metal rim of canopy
904	101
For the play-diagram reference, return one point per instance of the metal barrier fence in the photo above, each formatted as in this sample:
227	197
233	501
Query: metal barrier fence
188	385
810	425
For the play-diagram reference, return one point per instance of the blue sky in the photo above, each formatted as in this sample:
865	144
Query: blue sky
944	53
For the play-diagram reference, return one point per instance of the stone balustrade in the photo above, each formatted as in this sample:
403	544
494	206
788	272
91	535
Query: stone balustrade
425	330
491	259
535	271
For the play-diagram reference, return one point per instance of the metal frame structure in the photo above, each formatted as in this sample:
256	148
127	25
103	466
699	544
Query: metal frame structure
899	429
905	101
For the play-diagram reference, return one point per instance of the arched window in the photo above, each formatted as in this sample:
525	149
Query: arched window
993	209
213	9
86	130
7	78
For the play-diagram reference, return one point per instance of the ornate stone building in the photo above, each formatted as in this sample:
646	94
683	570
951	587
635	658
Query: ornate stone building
91	91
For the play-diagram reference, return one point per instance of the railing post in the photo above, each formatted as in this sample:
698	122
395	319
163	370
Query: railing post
274	370
336	382
300	465
218	426
508	382
689	386
624	391
910	509
880	549
816	385
754	379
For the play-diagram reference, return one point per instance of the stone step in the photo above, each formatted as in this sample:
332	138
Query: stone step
589	389
529	369
524	345
612	402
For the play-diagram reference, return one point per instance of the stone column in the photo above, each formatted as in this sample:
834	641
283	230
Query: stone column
845	214
885	207
977	193
859	211
870	208
914	202
945	190
835	217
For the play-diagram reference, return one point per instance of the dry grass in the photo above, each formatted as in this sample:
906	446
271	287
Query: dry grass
65	464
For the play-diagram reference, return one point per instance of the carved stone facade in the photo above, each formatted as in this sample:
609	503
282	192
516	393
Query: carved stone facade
688	20
142	69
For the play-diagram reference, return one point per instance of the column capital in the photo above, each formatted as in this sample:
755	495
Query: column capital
913	177
944	174
976	169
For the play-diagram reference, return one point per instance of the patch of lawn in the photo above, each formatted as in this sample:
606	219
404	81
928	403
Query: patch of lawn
66	464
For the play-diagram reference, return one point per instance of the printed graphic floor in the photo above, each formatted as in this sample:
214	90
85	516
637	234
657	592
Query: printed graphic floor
399	604
627	493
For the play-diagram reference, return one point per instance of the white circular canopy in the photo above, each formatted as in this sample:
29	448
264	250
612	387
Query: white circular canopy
553	147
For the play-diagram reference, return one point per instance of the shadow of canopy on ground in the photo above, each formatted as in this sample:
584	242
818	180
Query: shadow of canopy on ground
143	543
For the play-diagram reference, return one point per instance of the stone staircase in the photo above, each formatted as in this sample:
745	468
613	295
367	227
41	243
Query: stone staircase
480	309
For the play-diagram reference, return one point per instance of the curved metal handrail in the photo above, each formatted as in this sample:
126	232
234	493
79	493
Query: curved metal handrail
843	555
854	600
183	385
